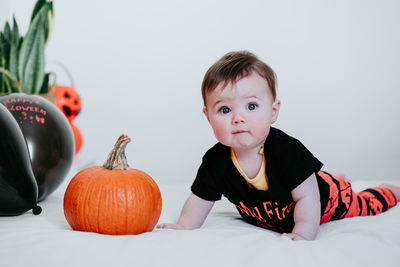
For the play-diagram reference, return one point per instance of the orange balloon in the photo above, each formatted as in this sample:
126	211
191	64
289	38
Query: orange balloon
77	136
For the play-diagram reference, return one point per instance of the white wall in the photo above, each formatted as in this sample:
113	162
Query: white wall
138	66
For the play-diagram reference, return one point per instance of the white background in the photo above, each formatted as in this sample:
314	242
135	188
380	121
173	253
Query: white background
138	66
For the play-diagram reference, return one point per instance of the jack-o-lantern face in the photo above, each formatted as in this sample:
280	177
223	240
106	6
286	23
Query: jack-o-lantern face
68	100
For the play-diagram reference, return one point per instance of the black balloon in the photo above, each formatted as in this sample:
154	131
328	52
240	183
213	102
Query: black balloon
48	135
18	188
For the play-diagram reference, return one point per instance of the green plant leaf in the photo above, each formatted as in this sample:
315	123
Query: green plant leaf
1	45
5	37
45	85
5	49
31	54
49	23
14	51
5	81
7	31
38	6
2	83
33	72
7	85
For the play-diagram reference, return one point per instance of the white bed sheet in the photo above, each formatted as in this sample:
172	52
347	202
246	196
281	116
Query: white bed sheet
224	240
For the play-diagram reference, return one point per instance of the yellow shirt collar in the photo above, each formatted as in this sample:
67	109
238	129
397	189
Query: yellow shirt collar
260	182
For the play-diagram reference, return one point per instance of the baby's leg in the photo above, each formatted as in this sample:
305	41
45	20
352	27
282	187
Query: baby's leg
395	189
345	203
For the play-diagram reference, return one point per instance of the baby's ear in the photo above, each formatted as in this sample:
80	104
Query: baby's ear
205	113
275	109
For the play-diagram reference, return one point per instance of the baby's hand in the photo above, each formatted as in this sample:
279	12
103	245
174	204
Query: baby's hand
170	226
294	236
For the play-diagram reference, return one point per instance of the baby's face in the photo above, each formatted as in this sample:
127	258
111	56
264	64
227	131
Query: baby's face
241	114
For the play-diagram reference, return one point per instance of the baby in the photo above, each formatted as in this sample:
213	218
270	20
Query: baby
271	178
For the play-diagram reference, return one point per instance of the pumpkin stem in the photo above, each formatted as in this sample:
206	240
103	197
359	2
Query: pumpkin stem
116	160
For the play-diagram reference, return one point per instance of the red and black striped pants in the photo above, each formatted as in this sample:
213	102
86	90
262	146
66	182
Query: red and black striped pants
343	202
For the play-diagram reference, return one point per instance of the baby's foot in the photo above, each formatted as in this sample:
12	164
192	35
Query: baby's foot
395	189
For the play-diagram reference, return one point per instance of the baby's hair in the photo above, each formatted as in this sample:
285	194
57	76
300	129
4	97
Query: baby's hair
234	66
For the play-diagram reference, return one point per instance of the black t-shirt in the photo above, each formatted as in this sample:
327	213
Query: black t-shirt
288	164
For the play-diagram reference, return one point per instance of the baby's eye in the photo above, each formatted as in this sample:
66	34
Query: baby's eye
252	106
224	110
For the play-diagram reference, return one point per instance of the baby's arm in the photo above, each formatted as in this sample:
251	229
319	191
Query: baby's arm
193	214
307	212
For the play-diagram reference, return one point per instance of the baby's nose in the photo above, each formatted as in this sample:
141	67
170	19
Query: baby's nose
237	118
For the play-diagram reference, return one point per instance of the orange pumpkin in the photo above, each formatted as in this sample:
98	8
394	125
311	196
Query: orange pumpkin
113	199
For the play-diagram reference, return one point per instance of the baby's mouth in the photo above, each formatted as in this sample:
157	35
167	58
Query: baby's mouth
239	132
